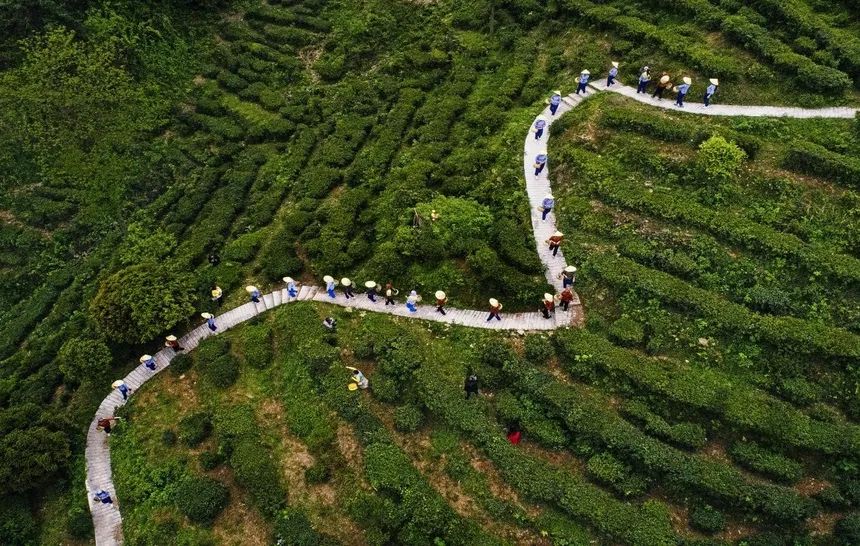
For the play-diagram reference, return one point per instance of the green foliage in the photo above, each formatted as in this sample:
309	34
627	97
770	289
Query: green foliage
255	345
627	331
139	302
222	372
607	469
755	457
209	460
719	161
707	519
293	527
462	223
201	499
195	428
256	471
181	363
47	454
538	349
318	473
211	348
407	418
79	523
145	245
17	525
847	530
810	158
82	359
689	435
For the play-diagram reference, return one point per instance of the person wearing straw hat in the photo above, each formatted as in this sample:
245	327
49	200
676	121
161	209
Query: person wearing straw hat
554	101
540	163
390	292
565	298
347	288
644	78
253	292
103	497
495	309
360	380
292	291
555	242
546	205
548	305
330	324
441	300
412	301
470	385
613	73
173	343
123	389
663	84
709	92
148	361
329	286
567	276
210	321
583	82
371	290
217	295
540	125
682	91
106	423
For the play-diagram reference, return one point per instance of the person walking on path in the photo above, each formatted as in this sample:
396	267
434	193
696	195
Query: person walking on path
254	292
412	301
682	91
662	85
173	343
371	290
709	92
149	362
540	125
644	78
567	276
471	385
583	82
330	324
555	242
546	205
292	291
495	309
360	380
565	298
390	292
210	321
217	295
329	285
441	300
103	497
106	423
554	101
347	288
540	163
613	73
548	305
123	389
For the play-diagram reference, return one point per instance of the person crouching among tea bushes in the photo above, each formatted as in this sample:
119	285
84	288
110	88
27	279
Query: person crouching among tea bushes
471	385
709	92
583	82
358	378
217	295
540	125
554	101
682	91
613	73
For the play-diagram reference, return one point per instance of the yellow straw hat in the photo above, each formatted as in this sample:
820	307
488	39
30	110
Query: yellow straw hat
251	288
615	64
288	280
352	387
346	282
570	269
206	315
494	302
440	295
556	92
144	358
328	279
547	297
370	284
558	234
171	337
714	81
586	72
116	383
664	79
687	80
216	293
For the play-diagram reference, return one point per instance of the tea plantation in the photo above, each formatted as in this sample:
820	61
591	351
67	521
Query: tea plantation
152	150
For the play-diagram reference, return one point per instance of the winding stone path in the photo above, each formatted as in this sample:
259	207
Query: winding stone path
107	519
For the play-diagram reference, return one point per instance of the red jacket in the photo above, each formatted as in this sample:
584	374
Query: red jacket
566	295
514	437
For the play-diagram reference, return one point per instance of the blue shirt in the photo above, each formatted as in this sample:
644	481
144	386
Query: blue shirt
255	294
683	88
123	388
711	89
541	158
613	71
555	99
548	203
291	287
583	78
103	495
329	286
210	322
540	124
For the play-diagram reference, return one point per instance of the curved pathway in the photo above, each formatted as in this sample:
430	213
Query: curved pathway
106	517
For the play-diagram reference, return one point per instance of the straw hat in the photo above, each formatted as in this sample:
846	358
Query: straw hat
646	67
615	64
251	288
714	81
328	278
288	280
352	386
556	92
570	269
548	196
687	80
440	295
494	302
547	297
171	337
586	72
346	282
216	293
206	315
370	284
558	234
116	383
145	358
665	78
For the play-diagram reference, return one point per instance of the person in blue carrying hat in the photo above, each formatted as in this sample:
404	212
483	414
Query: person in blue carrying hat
709	92
554	101
123	389
613	73
254	292
210	321
329	285
682	91
412	301
540	125
148	361
583	82
292	291
540	163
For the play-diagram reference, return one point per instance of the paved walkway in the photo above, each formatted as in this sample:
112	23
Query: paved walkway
107	519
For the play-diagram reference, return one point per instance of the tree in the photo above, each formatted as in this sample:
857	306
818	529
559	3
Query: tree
82	359
141	301
31	458
718	160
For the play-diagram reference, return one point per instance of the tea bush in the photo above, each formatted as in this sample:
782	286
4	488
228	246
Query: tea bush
195	428
201	499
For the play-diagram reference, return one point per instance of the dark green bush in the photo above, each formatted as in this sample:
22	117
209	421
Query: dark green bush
707	519
538	349
407	418
210	460
318	473
255	345
847	531
195	428
753	456
211	348
810	158
293	528
222	372
689	435
79	523
201	499
257	473
627	331
609	470
17	525
181	363
168	438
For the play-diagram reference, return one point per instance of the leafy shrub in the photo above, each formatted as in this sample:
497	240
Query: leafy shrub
294	529
407	418
181	363
223	371
47	454
719	161
255	345
810	158
607	469
201	499
210	460
538	349
168	438
17	525
318	473
195	428
627	331
707	519
211	348
257	473
689	435
462	225
755	457
81	359
79	523
847	531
